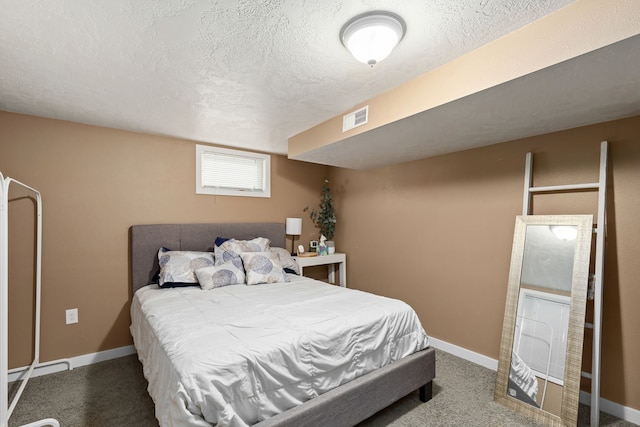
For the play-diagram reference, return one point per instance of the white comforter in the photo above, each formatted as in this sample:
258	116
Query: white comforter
522	375
236	355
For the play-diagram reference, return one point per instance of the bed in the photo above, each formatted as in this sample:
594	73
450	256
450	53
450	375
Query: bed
351	390
523	384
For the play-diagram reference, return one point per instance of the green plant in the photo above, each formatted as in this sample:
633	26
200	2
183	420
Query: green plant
324	218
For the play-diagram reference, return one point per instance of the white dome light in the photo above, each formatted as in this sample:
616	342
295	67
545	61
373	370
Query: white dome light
371	37
565	232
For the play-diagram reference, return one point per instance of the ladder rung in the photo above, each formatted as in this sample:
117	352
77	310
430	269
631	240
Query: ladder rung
585	374
588	186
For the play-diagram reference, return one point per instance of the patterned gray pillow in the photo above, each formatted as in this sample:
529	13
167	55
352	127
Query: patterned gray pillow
177	268
231	249
263	267
286	260
220	275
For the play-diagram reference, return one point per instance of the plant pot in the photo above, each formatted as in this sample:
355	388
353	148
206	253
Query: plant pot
332	246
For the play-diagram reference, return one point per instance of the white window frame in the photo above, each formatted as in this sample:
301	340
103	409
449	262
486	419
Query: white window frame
219	191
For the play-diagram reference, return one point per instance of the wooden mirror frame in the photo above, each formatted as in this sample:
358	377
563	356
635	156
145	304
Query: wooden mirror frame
575	337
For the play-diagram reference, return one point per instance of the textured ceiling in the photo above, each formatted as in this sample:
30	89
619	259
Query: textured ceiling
240	73
595	87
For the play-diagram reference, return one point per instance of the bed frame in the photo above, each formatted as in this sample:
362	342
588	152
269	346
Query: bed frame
346	405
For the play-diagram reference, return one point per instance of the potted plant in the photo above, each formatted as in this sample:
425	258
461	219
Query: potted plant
324	217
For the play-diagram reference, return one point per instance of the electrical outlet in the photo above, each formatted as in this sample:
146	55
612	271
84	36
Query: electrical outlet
72	316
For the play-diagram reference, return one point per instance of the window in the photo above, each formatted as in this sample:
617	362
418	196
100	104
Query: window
226	172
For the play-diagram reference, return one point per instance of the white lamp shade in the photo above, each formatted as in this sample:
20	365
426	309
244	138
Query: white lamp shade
293	226
372	36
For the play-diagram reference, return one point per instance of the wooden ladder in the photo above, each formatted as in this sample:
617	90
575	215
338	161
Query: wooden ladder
600	231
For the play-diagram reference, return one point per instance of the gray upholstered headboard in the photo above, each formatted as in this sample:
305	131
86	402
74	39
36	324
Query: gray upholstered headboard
146	240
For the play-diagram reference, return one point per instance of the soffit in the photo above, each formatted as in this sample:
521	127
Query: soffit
599	86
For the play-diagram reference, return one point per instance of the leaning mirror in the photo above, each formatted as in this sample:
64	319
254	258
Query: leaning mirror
541	348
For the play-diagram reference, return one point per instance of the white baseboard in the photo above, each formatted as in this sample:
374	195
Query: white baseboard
624	412
471	356
46	368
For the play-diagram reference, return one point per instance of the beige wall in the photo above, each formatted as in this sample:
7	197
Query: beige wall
95	183
437	233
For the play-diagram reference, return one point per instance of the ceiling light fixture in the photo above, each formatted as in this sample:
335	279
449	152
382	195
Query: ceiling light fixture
371	36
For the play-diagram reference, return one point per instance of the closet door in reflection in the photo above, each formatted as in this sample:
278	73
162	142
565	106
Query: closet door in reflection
541	348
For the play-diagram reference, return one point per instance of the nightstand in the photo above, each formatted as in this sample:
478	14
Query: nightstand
330	261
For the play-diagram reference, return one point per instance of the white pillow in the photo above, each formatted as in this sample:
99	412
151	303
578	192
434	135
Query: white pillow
263	267
220	275
231	249
177	268
286	260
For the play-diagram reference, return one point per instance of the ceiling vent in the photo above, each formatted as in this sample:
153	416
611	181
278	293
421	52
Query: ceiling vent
355	119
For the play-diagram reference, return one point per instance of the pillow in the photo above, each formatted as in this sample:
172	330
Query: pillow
263	267
155	279
177	267
221	275
288	263
232	248
220	240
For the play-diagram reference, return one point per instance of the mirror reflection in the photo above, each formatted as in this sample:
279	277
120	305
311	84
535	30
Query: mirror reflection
542	336
536	373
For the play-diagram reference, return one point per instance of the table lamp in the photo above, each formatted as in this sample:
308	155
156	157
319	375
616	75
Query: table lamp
293	228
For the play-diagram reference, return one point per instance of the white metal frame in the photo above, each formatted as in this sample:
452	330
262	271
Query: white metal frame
5	409
600	230
549	343
563	300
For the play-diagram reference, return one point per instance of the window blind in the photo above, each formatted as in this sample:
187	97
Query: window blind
226	172
232	172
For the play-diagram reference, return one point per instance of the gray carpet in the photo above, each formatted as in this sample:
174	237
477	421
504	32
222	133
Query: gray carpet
113	393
